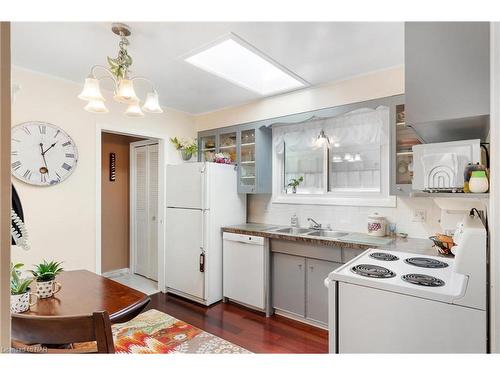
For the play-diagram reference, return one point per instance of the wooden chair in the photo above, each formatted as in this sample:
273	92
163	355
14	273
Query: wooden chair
34	334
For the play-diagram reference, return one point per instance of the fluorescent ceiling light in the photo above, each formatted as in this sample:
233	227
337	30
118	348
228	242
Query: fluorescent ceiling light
244	66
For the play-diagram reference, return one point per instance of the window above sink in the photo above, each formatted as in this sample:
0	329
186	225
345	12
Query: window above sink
340	156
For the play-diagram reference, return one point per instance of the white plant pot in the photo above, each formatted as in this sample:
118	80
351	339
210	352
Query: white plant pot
46	289
22	302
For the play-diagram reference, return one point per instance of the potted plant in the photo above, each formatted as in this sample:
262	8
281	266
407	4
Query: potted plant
294	182
45	274
19	290
187	147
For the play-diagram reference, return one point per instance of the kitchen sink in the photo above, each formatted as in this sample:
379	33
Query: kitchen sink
291	230
328	233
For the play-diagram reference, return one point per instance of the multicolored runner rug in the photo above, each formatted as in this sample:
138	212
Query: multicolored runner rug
156	332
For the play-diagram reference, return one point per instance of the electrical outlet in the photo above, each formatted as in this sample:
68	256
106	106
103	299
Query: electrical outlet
418	215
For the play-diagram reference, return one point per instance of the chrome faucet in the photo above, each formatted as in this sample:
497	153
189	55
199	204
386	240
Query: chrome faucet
313	223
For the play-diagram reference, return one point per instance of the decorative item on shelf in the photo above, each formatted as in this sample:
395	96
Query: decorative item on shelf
222	158
187	147
478	182
376	225
392	229
20	292
118	72
443	243
112	166
468	174
400	117
294	183
45	274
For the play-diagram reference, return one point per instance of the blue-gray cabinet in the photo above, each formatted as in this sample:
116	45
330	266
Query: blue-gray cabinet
249	147
402	139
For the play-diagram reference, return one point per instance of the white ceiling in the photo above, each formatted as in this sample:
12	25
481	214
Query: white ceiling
317	52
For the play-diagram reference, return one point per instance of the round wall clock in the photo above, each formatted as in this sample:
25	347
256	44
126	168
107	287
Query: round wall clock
42	154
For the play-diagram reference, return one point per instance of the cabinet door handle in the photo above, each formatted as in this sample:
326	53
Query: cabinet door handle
311	267
300	266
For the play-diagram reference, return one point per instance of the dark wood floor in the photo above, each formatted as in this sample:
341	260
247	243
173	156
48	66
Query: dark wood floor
248	329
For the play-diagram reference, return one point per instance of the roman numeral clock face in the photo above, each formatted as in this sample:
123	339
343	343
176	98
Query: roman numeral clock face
42	154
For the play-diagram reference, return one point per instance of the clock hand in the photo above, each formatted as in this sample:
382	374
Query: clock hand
45	169
44	152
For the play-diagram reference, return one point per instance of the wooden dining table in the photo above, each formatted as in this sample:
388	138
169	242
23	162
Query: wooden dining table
84	292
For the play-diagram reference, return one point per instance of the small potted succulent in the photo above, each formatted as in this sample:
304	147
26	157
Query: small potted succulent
187	147
294	182
45	274
20	300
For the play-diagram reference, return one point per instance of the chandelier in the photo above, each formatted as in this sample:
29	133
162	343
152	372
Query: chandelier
118	71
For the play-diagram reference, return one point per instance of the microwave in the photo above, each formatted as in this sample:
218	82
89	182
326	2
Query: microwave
441	166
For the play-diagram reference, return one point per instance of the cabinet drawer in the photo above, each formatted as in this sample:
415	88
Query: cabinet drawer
330	253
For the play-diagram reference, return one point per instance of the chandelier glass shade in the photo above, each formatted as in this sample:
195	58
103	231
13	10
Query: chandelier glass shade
133	110
124	91
96	106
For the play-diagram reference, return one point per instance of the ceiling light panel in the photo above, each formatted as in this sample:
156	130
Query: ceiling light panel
242	65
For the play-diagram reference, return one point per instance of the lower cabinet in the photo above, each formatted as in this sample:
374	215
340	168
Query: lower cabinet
298	286
316	291
288	283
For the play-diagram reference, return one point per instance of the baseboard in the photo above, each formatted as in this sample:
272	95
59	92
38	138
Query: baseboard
187	296
301	319
116	273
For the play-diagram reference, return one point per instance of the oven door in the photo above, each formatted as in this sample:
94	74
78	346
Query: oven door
376	321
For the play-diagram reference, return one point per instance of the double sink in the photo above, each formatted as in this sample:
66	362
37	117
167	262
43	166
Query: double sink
308	232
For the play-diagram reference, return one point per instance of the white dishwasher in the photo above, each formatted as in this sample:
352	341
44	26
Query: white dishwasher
246	270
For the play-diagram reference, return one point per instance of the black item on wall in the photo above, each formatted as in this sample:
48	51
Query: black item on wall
112	166
18	209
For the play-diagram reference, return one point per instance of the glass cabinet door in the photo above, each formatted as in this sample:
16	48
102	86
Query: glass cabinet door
207	148
227	145
247	175
406	138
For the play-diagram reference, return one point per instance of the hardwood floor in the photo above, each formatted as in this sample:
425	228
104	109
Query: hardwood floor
248	329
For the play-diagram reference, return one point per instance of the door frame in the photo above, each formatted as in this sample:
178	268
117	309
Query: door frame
132	200
162	153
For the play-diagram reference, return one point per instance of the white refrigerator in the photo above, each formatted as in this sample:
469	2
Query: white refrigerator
201	198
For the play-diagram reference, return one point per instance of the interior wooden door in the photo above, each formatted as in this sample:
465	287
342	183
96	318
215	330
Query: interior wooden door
145	214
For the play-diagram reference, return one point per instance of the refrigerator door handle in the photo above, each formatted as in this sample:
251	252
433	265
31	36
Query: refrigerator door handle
202	260
202	246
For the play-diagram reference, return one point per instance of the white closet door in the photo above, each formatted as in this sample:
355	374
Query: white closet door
141	212
153	210
146	210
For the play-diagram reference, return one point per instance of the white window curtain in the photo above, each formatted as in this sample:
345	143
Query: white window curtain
360	127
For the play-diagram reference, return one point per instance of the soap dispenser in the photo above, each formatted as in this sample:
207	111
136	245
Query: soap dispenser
294	221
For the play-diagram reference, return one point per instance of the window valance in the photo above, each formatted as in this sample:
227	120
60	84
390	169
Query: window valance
365	126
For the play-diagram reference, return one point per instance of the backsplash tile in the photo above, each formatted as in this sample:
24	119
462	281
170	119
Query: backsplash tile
351	218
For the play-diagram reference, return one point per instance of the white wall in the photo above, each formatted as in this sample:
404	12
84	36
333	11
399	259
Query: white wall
378	84
61	219
370	86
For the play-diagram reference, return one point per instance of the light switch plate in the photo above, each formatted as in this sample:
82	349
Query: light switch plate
418	215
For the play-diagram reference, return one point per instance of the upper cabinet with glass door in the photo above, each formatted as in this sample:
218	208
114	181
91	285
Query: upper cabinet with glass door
228	145
403	139
249	147
254	159
247	177
207	145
